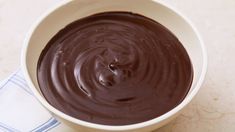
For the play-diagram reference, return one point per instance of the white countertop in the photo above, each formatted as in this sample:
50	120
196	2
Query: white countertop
212	110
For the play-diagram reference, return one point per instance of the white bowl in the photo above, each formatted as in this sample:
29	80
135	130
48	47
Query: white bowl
68	11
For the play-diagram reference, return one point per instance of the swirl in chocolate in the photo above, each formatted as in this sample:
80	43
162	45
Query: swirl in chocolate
114	68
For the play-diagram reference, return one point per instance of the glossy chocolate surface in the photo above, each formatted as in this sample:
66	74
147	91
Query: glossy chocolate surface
114	68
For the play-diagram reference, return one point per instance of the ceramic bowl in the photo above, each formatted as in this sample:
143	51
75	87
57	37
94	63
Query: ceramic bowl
68	11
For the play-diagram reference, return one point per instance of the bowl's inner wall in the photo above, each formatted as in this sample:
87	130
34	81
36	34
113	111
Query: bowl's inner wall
77	9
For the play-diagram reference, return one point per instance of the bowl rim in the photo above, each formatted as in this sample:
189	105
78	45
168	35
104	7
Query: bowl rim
110	127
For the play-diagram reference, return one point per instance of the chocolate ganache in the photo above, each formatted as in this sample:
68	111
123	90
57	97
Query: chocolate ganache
114	68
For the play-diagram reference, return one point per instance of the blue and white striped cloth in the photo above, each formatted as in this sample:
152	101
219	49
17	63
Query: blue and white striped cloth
20	111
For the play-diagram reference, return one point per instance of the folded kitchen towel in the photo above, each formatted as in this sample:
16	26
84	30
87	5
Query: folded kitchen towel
20	111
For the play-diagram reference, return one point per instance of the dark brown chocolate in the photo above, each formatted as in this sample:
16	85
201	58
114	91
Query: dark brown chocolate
114	68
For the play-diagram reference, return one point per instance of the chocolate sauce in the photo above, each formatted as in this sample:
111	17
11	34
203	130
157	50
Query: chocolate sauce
114	68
